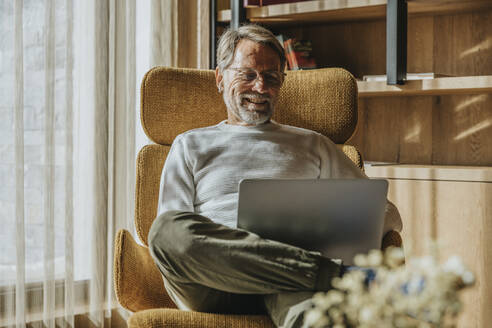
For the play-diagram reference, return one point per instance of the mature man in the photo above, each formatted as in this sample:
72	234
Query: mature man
208	264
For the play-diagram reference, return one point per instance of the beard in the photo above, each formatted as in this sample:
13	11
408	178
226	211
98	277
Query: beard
250	107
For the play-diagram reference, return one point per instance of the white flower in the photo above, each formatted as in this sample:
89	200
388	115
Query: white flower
375	258
336	315
426	262
334	297
454	265
366	314
394	257
421	294
360	260
316	318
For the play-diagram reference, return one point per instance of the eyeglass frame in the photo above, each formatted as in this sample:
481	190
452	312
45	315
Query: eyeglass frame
241	70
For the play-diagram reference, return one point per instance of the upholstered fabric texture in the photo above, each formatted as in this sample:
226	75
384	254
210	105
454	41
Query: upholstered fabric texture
166	318
137	281
392	238
150	161
177	100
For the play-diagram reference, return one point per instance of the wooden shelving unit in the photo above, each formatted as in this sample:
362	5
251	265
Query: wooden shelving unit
324	11
430	172
437	86
438	132
312	11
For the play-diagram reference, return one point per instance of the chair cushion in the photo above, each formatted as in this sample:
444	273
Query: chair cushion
175	100
162	318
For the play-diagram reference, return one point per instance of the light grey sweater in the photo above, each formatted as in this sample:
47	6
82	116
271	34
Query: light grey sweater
204	166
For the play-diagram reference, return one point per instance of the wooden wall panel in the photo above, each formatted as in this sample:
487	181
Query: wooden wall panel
462	130
463	44
376	136
459	216
415	130
420	41
395	129
441	130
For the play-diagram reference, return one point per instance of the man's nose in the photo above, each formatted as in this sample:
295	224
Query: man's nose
259	85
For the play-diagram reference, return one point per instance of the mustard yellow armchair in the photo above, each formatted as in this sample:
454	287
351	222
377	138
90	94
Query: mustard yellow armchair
176	100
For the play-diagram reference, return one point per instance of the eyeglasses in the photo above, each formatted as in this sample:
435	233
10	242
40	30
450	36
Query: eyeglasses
272	79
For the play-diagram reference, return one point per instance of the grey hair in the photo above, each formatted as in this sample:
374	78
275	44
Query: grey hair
230	38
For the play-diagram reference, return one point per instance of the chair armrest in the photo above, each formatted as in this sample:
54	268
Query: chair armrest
137	280
391	238
185	319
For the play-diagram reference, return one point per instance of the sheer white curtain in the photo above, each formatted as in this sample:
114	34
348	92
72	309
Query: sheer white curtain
70	73
68	135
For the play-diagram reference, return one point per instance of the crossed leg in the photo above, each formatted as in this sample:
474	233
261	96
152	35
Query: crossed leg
209	267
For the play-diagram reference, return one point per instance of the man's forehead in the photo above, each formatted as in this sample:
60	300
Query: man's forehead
256	55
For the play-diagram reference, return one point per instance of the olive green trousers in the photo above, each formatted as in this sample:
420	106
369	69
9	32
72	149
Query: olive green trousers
212	268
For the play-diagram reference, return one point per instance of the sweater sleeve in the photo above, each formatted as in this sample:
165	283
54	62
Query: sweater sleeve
335	164
177	189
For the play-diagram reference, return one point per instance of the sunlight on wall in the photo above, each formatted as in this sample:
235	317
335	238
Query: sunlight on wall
468	102
414	135
477	127
481	46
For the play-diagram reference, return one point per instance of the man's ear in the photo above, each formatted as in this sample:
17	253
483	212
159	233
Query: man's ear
219	79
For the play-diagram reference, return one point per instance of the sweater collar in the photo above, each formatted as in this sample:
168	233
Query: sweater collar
269	126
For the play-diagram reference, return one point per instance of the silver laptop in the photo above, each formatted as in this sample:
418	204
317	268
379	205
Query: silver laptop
337	217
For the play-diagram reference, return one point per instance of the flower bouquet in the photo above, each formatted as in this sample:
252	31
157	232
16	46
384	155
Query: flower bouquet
419	293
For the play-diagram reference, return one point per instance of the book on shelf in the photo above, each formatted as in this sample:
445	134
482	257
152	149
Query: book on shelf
260	3
298	54
281	38
288	53
410	77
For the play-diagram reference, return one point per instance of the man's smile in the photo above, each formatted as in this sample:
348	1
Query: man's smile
255	102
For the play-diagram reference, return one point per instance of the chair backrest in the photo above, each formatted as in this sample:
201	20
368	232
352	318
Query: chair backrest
175	100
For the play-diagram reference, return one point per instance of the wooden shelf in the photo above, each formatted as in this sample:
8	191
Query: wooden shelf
346	10
319	11
430	172
438	86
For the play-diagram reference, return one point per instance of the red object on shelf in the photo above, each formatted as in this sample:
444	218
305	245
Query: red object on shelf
289	51
299	55
251	3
